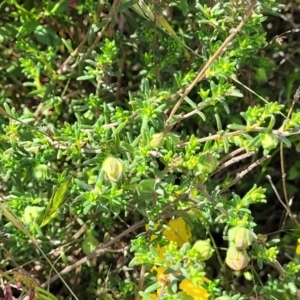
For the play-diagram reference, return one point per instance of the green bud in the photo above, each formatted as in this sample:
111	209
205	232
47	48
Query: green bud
207	162
237	259
157	140
112	168
33	214
204	249
240	237
248	276
268	141
89	244
260	75
262	238
41	172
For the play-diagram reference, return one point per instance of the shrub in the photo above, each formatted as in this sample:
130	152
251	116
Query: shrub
128	145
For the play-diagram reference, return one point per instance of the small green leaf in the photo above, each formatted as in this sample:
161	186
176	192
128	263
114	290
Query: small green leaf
225	144
43	294
133	262
89	244
145	296
219	123
284	140
146	186
236	127
125	5
46	36
126	146
260	75
68	44
119	128
85	77
153	287
83	185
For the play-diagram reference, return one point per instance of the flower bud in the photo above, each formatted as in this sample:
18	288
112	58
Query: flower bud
157	140
89	244
262	238
204	249
237	259
248	276
268	141
33	214
240	237
112	168
207	163
41	172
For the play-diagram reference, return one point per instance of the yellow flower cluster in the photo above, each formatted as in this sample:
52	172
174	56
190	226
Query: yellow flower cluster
179	232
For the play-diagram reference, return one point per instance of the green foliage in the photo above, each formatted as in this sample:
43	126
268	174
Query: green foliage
108	125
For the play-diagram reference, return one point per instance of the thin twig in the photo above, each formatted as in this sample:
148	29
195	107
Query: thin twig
231	154
218	53
141	282
239	176
283	174
233	161
282	223
84	40
98	37
287	208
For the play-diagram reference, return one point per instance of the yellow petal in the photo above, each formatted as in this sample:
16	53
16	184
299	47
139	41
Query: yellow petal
298	247
178	231
153	296
197	293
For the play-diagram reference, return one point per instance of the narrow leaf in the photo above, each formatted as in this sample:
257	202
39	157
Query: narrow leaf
55	203
125	5
12	218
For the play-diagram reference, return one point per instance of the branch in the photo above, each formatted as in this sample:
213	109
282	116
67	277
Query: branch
239	176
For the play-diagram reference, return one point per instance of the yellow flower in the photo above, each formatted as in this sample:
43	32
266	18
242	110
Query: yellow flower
178	231
162	278
153	236
159	271
298	247
197	293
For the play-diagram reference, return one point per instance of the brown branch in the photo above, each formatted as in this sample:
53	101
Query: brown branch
286	206
240	175
233	161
